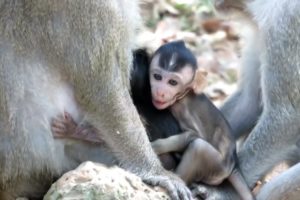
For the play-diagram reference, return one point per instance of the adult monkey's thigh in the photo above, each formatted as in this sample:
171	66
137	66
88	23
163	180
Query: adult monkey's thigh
275	137
278	125
51	50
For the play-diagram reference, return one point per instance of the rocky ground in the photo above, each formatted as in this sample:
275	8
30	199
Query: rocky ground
95	181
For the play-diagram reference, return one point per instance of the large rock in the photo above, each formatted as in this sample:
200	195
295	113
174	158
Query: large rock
95	181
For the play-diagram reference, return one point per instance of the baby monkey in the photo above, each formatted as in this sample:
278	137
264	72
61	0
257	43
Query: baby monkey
207	147
209	153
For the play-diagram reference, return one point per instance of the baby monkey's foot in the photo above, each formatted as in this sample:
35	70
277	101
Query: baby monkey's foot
64	126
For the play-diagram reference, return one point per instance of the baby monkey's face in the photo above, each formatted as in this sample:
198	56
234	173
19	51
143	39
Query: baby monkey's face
167	86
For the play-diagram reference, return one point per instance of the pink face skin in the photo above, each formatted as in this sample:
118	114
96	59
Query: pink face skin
167	86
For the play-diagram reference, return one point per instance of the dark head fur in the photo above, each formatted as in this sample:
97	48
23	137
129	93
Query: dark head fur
178	51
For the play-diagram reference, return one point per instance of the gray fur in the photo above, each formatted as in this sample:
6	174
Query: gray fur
285	186
277	130
275	136
72	56
247	99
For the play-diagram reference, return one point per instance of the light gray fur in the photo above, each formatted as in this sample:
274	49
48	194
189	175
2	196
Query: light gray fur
72	56
275	137
285	186
247	99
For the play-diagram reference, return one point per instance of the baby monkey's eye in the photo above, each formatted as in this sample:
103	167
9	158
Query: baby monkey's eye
157	77
173	82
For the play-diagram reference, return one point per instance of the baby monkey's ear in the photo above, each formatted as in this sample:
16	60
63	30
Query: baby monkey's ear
200	81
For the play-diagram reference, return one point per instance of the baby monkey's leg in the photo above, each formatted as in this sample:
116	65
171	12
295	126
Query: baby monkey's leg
202	162
64	126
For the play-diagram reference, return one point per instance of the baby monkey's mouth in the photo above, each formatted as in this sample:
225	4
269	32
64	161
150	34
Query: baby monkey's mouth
159	104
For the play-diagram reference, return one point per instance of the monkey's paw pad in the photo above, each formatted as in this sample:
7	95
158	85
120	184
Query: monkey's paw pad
95	181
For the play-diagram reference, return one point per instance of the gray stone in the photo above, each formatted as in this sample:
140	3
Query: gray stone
95	181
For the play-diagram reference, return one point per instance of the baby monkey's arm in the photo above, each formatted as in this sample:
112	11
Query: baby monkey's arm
175	143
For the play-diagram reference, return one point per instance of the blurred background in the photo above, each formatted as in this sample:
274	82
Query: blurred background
215	41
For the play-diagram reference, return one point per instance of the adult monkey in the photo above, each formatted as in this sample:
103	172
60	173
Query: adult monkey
247	98
275	137
58	56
